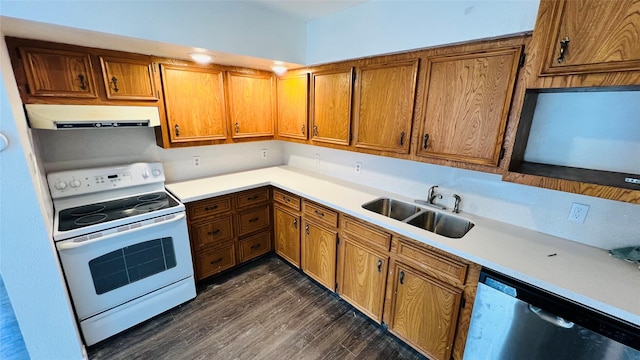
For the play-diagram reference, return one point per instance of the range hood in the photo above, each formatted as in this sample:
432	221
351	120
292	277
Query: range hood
57	117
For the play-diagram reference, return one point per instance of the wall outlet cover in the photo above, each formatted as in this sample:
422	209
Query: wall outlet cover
196	161
578	212
358	168
263	153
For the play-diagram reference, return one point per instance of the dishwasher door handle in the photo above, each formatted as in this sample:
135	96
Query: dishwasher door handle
551	318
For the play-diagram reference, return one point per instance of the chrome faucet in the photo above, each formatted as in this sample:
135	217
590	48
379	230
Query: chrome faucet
432	195
456	207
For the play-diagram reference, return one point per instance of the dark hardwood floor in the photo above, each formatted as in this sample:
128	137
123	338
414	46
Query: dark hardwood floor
264	310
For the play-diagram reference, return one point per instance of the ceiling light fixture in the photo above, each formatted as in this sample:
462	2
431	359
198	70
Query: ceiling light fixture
201	58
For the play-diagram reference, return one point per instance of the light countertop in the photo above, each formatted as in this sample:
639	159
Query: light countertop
581	273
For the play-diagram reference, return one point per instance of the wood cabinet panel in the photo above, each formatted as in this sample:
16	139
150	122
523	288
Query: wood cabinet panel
216	261
213	232
384	105
331	92
287	199
251	197
602	36
425	312
292	106
320	213
255	245
128	79
319	253
287	226
365	233
434	263
467	104
58	73
251	104
194	102
363	276
208	207
253	219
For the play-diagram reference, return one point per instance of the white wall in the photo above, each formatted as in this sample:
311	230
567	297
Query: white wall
609	224
384	26
28	260
227	26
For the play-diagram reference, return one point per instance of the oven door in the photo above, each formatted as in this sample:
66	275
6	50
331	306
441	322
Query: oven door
106	271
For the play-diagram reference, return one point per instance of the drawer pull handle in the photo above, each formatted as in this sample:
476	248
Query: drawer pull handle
216	261
295	223
401	277
286	199
379	265
250	198
306	229
253	247
211	208
319	213
254	219
214	232
114	81
564	44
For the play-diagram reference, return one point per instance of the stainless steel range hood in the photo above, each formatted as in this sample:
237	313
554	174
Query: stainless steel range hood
58	117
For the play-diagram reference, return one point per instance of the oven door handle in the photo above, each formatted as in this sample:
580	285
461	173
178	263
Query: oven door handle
72	244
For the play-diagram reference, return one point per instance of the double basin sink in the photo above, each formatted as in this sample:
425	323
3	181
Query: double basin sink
434	221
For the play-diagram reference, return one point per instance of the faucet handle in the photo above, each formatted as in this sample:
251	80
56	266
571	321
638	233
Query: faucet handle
456	207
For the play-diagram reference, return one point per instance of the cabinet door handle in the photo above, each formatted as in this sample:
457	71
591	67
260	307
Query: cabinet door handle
83	86
210	208
295	223
402	138
215	261
237	128
379	265
306	229
425	141
564	44
315	130
401	277
319	213
253	247
177	128
303	129
214	232
114	81
254	219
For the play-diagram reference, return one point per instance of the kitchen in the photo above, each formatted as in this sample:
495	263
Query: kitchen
484	194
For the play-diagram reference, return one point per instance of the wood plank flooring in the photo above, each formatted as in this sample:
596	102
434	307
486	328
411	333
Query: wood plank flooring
265	310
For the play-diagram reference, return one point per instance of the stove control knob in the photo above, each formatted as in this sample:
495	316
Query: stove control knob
75	183
61	185
145	174
156	172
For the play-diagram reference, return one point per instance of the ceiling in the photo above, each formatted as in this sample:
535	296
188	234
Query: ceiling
306	9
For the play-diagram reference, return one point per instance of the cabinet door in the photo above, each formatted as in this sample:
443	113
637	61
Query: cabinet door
194	100
363	276
590	36
383	122
292	107
58	73
331	106
319	254
425	311
287	233
128	79
251	104
467	105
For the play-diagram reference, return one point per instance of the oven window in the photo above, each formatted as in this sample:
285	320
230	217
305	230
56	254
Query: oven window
132	263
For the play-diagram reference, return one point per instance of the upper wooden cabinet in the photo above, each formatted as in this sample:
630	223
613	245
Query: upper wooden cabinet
194	102
251	104
292	106
331	92
128	79
58	73
384	104
468	97
589	36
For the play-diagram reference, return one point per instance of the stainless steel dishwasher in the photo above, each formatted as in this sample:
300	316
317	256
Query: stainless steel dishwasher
515	321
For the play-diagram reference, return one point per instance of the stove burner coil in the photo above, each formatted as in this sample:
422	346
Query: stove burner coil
149	197
91	219
87	209
150	206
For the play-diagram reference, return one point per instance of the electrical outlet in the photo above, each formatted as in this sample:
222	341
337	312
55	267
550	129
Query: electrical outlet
358	167
263	153
317	159
578	212
196	161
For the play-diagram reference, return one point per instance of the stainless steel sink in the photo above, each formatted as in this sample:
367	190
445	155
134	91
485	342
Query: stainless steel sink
437	222
441	224
391	208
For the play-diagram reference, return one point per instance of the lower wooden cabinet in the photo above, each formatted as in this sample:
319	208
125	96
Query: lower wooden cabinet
319	242
255	245
216	260
286	229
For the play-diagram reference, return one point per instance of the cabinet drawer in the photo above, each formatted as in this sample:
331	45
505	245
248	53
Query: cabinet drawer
204	208
251	197
215	261
319	213
213	232
287	199
255	245
434	263
253	219
360	231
